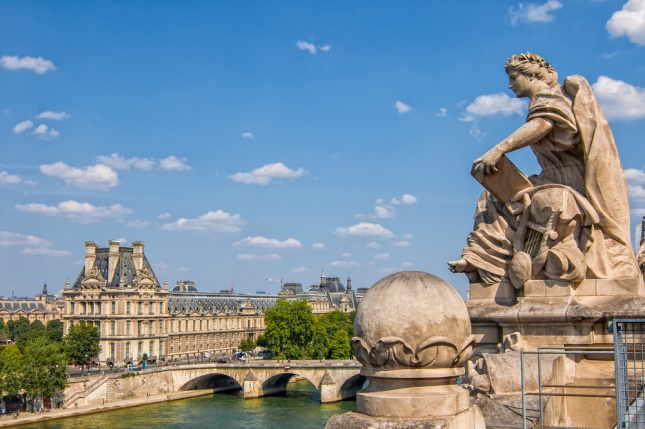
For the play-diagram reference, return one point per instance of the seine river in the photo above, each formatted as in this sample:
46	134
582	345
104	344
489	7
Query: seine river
299	409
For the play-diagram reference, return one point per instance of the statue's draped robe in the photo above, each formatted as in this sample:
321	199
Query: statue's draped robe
578	156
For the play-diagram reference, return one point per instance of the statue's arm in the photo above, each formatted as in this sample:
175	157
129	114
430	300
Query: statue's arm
525	135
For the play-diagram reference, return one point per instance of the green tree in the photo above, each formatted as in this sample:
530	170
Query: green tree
247	345
18	328
82	344
4	331
11	370
289	329
54	330
320	342
45	364
339	347
36	329
328	340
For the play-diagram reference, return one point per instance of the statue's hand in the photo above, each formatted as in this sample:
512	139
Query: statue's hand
487	162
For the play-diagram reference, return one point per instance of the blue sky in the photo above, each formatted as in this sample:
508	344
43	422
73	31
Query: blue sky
252	140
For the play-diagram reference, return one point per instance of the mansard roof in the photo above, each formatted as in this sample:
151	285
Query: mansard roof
125	271
213	303
23	306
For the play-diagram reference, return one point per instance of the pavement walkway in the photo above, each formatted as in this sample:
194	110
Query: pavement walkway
25	418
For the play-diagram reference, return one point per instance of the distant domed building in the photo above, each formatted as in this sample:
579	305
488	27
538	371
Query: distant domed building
185	286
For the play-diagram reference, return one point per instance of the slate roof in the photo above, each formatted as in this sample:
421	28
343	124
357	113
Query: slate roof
28	306
213	303
125	268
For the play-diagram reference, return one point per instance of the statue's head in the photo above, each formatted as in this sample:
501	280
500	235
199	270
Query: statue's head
533	66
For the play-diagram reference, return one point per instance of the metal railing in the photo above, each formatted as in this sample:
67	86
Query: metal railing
556	390
629	343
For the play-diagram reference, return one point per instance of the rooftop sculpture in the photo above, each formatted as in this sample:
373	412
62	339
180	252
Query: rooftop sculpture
571	221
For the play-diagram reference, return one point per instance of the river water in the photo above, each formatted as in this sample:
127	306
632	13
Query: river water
299	409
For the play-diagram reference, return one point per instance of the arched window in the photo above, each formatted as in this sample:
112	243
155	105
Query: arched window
127	350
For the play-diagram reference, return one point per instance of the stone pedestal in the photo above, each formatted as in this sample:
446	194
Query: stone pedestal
549	313
412	335
412	393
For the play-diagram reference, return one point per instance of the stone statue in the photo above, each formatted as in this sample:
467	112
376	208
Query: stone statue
571	221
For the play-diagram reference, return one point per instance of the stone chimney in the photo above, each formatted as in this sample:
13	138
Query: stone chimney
113	259
137	254
90	255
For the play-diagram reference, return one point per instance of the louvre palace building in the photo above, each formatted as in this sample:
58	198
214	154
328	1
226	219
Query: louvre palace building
118	292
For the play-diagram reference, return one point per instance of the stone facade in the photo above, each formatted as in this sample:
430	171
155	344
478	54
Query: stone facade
118	292
43	307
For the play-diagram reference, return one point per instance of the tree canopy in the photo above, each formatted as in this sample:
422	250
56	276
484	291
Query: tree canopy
289	329
82	344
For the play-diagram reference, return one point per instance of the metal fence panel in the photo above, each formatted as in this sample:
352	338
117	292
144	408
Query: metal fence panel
629	349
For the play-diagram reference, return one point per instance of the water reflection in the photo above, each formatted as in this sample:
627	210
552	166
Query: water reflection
299	408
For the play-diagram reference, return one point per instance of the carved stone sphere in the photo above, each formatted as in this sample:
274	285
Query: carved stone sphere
412	319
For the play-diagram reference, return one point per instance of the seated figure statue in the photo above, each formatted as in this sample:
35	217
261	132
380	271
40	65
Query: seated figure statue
571	222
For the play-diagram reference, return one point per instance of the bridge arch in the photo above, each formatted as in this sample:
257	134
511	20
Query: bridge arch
352	385
217	382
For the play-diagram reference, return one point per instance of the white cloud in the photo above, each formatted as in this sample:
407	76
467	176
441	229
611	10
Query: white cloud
248	135
325	48
101	177
406	199
218	221
380	212
9	179
638	212
82	212
13	239
250	257
373	245
24	125
533	12
56	116
265	174
344	264
406	264
299	270
138	224
122	163
494	104
174	164
305	46
164	216
346	255
384	212
635	176
364	229
407	236
442	113
402	243
382	256
620	100
44	132
44	251
318	246
267	243
629	21
636	193
401	107
38	65
147	164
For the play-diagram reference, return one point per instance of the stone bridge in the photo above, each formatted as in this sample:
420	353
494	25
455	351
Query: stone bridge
335	380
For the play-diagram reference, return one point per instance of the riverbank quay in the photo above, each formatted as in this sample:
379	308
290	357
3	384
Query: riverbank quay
26	418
